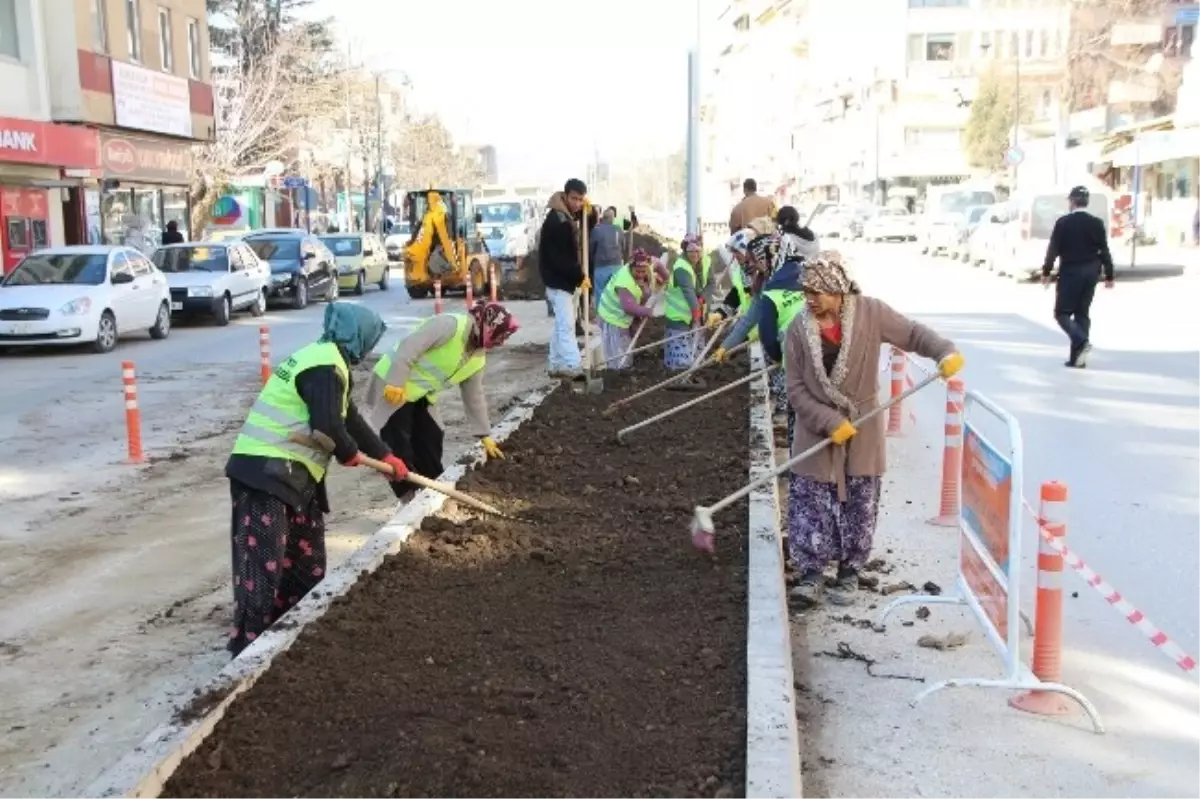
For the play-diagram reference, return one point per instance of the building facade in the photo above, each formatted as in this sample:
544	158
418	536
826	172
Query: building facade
98	118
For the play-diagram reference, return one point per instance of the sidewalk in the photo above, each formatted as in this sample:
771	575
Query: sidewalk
1158	256
859	735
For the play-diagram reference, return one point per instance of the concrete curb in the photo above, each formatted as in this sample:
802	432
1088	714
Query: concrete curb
145	770
772	732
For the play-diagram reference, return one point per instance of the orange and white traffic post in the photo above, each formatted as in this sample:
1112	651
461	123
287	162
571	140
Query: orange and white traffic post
133	416
952	455
470	290
493	284
1048	625
437	295
264	353
896	412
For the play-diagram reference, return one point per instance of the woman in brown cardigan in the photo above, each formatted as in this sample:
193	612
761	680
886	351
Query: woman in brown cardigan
832	362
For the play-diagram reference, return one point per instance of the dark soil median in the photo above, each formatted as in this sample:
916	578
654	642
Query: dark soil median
594	654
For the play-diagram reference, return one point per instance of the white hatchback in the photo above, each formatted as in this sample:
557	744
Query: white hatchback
83	295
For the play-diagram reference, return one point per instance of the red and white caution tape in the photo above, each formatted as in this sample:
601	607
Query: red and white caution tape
1119	603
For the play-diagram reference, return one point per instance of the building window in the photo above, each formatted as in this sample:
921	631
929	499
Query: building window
133	31
1029	44
166	50
1044	44
99	26
931	47
10	43
985	44
1014	45
194	49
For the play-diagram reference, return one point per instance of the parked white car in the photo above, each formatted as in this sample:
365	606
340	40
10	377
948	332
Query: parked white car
986	238
890	224
396	240
213	279
83	295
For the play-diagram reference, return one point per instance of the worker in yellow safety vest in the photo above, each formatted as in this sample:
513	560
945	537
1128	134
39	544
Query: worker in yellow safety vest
685	296
627	296
738	300
444	351
278	466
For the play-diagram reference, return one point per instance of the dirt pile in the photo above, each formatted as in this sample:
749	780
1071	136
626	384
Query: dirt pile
592	654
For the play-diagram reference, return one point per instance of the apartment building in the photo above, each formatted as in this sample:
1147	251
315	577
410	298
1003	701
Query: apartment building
100	104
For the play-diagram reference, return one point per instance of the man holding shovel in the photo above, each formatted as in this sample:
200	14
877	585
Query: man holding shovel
278	485
561	265
446	350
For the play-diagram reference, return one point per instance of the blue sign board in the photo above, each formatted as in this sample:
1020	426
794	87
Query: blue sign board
1189	15
294	182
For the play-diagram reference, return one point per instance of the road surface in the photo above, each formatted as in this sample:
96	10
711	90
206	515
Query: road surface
114	598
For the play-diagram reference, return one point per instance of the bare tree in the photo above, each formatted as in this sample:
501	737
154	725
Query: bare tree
1098	60
424	154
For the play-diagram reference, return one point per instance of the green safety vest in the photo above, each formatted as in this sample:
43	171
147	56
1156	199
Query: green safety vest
677	306
738	278
788	303
280	411
610	304
441	367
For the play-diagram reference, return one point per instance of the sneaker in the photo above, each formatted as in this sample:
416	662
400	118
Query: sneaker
1082	358
843	591
807	593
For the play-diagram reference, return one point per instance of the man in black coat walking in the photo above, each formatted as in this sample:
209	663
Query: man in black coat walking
1080	244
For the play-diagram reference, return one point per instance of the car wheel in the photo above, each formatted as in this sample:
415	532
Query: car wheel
260	305
106	333
223	311
385	279
162	326
333	292
300	296
360	284
418	293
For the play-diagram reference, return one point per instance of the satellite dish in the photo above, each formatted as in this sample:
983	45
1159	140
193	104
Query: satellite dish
273	168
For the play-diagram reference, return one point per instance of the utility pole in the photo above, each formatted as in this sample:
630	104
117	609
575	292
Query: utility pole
349	133
693	129
379	152
1016	131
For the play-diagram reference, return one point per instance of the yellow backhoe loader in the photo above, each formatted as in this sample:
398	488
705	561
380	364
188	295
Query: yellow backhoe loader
445	243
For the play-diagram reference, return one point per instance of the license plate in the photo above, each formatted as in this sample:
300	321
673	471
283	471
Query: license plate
177	306
19	329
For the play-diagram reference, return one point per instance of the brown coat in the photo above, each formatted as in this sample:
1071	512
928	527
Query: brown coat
822	401
749	209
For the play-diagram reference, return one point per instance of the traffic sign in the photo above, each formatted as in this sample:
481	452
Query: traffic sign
294	182
1014	156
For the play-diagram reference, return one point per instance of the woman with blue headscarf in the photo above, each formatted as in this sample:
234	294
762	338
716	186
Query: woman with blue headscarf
277	469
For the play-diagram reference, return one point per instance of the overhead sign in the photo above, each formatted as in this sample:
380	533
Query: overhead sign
144	99
26	141
149	160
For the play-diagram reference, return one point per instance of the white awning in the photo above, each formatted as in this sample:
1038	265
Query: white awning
1156	146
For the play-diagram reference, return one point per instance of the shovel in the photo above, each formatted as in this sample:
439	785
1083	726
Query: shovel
739	382
592	384
670	381
318	440
703	533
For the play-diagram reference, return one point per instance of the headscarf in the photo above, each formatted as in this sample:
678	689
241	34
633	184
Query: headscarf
796	247
691	243
763	250
739	241
640	257
354	328
491	326
827	274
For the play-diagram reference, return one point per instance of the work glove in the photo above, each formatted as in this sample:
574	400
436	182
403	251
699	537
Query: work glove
951	365
492	449
586	285
720	355
354	461
715	319
394	395
399	469
843	432
697	313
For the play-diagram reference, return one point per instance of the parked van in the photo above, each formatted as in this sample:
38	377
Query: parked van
1033	212
945	207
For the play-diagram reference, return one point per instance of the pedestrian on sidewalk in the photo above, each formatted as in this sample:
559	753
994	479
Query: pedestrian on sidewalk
831	354
606	245
1079	243
627	296
686	287
446	350
561	268
277	486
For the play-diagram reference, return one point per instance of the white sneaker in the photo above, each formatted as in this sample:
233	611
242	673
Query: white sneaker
1082	358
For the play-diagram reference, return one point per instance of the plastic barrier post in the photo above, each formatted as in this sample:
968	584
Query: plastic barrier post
470	290
437	296
947	516
1048	627
494	284
264	354
896	412
133	416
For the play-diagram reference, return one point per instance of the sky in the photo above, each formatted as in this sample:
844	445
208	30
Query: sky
509	73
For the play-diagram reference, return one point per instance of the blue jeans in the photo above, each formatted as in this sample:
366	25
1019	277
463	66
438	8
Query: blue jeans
564	351
602	276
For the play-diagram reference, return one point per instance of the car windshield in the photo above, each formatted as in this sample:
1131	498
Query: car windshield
60	269
343	245
192	259
275	249
500	213
959	201
976	213
400	229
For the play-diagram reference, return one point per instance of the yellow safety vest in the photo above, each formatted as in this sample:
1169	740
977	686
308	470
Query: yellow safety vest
677	306
610	303
441	367
788	303
280	411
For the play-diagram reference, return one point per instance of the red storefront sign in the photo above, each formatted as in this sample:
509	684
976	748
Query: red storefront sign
25	141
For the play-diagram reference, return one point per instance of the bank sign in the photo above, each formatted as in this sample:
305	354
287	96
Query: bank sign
25	141
152	161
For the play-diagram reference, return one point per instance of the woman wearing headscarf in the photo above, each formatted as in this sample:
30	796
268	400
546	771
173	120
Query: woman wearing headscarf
627	296
446	350
796	238
831	356
733	255
277	484
686	287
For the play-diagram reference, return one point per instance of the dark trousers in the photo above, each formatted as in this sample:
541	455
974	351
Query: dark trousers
417	439
1073	303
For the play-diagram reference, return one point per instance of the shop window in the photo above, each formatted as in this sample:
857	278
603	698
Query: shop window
18	233
166	48
10	42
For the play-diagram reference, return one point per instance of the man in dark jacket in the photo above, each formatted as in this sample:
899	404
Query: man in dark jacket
172	235
1080	244
561	267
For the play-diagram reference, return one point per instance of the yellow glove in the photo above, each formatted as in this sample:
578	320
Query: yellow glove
492	449
951	365
586	285
393	395
715	319
719	355
843	432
